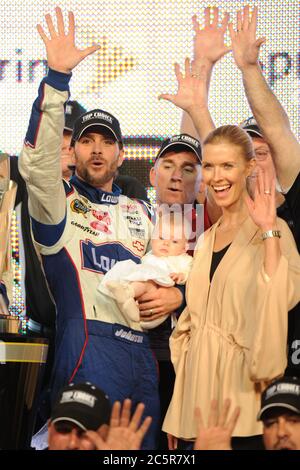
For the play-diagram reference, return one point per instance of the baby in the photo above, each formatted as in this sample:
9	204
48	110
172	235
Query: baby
167	264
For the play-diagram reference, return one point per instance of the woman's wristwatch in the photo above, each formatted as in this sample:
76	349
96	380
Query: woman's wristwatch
271	234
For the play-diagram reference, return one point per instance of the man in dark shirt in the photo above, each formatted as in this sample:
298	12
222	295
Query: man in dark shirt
131	187
288	208
176	176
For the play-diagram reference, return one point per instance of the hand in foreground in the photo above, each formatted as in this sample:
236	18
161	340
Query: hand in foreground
124	432
217	434
62	54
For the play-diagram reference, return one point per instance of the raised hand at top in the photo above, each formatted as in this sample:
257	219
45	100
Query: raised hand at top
209	47
209	42
245	46
62	53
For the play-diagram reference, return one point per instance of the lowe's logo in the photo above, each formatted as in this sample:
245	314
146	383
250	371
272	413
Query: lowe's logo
101	258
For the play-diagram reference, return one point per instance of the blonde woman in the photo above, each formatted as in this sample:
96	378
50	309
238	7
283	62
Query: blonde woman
231	338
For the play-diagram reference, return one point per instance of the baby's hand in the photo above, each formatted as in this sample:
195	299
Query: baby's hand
178	278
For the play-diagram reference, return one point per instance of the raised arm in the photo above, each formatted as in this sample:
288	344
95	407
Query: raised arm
39	162
267	110
209	47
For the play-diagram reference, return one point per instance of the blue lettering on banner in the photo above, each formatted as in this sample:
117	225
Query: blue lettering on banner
101	258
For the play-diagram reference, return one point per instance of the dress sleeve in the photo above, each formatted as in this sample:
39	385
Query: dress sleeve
179	339
275	296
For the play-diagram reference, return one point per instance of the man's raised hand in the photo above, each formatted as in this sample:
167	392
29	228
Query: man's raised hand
62	54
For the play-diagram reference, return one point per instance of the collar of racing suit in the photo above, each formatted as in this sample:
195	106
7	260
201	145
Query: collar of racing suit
94	194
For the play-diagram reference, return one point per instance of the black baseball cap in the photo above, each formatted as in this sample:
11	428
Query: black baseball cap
82	404
283	393
73	110
185	141
251	127
94	119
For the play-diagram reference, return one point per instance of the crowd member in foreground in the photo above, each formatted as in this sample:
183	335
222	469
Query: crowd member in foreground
279	413
83	419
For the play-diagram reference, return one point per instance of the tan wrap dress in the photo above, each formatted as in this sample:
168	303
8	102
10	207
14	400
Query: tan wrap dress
232	337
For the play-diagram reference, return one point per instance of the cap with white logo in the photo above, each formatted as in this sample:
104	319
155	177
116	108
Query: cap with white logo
283	393
187	142
94	121
251	127
84	405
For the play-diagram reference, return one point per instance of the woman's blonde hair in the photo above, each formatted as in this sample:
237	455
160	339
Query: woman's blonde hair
233	135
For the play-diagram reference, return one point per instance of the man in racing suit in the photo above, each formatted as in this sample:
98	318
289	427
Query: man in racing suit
81	229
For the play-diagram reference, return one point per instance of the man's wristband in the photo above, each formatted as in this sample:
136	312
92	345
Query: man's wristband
271	234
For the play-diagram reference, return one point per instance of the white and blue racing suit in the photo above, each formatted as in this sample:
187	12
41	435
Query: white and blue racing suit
80	233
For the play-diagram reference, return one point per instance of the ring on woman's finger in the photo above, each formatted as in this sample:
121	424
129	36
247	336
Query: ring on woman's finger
267	191
151	312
